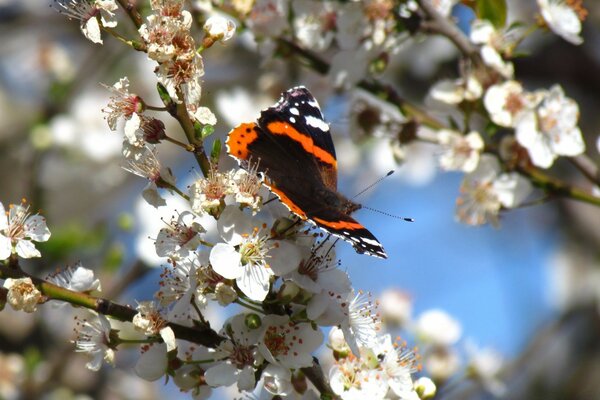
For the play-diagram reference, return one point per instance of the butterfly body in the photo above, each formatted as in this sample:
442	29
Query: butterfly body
293	148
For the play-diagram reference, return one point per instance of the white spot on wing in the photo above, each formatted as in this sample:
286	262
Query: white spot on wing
294	110
292	120
371	242
317	123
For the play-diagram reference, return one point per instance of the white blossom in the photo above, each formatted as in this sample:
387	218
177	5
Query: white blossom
288	344
237	354
437	327
76	278
248	254
93	337
550	130
564	18
180	236
461	152
22	294
220	28
485	190
92	15
18	228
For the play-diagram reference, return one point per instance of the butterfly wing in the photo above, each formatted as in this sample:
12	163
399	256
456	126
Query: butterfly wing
298	115
293	148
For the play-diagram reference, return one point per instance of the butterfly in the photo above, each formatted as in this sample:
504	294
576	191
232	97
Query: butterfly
292	145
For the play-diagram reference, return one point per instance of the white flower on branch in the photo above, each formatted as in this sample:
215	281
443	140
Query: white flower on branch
92	15
14	374
247	185
461	152
288	344
180	236
201	114
564	18
76	278
319	273
22	294
238	355
485	365
249	255
485	190
219	28
150	321
494	45
398	364
123	105
507	102
145	164
550	129
314	23
438	328
206	194
18	228
93	337
355	313
396	307
185	288
268	18
352	379
456	91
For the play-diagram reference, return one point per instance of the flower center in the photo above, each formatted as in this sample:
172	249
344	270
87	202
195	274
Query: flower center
242	356
577	6
547	123
514	103
275	341
16	224
254	250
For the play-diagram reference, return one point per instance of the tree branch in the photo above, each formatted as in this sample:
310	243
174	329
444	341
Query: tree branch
204	336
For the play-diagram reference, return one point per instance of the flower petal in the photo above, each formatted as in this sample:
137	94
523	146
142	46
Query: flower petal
222	374
26	249
226	261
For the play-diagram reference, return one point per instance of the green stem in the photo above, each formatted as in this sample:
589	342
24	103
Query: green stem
187	147
163	184
248	306
555	187
154	108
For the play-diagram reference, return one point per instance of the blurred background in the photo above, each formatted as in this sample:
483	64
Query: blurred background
528	289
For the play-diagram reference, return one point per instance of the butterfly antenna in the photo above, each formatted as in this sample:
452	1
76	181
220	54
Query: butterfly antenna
373	184
407	219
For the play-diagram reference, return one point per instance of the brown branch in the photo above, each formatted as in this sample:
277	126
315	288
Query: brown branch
314	373
132	12
587	167
443	26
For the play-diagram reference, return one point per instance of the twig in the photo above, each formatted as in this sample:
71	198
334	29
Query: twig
201	335
587	167
442	26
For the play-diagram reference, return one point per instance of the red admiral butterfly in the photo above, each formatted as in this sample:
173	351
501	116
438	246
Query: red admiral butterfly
294	150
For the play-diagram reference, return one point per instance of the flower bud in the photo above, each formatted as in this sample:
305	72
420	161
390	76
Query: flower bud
252	321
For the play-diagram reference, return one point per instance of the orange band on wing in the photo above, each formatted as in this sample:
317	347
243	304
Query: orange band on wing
339	224
282	128
286	200
240	138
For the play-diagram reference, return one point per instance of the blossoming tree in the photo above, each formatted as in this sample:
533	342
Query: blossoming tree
295	325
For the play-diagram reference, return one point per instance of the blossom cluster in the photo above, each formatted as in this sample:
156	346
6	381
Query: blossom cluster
276	278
